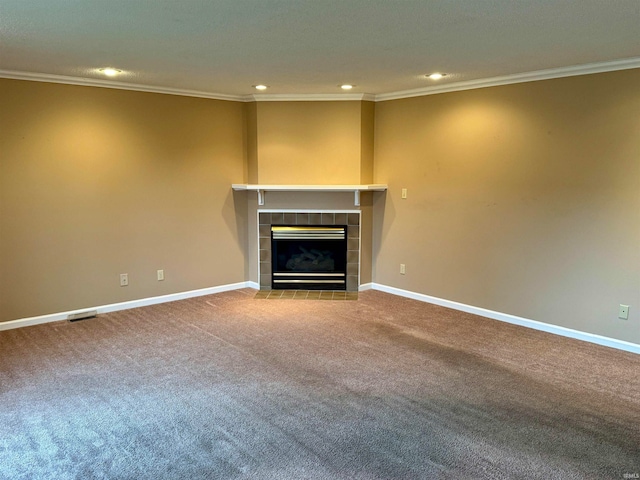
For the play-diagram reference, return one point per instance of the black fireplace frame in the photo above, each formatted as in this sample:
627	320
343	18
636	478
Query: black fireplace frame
309	238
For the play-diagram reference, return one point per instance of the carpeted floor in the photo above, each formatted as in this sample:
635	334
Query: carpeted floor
231	387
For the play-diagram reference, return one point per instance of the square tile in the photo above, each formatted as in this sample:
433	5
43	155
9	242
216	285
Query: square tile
265	243
353	244
277	218
353	219
290	218
352	256
341	218
353	231
328	219
264	218
307	295
352	269
265	256
265	280
352	283
315	219
264	231
302	219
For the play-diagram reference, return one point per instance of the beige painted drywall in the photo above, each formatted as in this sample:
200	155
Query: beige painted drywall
523	199
96	182
367	132
312	143
250	121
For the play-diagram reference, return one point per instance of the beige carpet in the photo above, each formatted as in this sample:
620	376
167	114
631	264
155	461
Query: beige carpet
228	386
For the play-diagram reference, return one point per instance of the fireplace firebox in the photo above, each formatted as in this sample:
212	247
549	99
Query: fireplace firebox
309	257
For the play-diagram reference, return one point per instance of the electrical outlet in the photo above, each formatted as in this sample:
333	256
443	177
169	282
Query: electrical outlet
160	275
404	193
623	312
403	270
124	279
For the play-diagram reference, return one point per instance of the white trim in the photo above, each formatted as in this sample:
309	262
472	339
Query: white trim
91	82
262	189
369	187
313	97
306	210
114	307
571	71
505	317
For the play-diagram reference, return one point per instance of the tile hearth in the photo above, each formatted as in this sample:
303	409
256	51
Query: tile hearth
305	295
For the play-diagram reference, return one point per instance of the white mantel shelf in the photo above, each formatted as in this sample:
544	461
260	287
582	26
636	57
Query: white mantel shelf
356	189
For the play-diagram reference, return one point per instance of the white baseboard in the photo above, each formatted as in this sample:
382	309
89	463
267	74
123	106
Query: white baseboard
505	317
56	317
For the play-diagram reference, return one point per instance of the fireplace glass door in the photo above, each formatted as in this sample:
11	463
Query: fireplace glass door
309	257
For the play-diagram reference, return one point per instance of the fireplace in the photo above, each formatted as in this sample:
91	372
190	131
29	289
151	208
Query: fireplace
309	257
348	220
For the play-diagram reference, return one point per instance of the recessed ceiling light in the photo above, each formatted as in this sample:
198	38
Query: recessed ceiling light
436	76
260	87
346	86
110	72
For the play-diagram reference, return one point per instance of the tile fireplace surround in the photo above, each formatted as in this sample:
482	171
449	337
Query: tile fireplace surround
335	217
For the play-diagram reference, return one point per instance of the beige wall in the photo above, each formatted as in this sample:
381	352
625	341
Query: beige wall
312	143
96	182
523	199
367	123
251	142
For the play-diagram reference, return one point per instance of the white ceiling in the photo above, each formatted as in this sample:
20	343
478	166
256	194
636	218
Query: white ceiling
223	47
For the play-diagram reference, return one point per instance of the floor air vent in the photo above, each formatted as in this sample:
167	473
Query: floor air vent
74	317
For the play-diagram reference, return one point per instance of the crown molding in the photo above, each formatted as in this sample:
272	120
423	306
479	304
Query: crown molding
312	97
602	67
90	82
549	74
